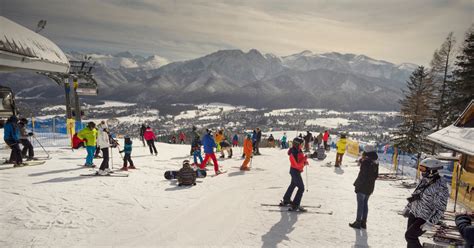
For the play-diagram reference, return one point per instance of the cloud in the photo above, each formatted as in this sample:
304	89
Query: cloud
396	31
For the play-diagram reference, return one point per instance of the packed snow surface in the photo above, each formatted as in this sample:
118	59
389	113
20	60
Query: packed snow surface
50	205
328	122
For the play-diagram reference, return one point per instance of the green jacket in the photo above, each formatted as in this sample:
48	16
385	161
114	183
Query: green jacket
89	135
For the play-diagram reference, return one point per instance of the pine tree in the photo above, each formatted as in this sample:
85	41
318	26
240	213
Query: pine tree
440	77
463	86
416	114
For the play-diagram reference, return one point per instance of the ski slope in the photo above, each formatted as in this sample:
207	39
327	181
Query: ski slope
50	205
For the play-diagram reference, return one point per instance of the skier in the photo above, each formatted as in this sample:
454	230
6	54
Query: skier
427	203
298	161
258	139
182	138
89	135
218	139
364	185
466	229
209	144
24	140
225	146
341	149
186	175
325	139
103	142
307	140
127	158
248	152
235	140
195	135
11	135
150	138
271	141
319	140
142	133
98	149
284	143
196	149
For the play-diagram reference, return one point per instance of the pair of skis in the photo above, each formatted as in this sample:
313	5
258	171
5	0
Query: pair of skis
309	209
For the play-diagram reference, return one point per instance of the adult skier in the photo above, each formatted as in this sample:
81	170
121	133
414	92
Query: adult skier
89	135
103	142
150	138
341	149
182	138
364	185
248	152
427	203
11	135
142	133
258	139
326	139
24	140
298	161
209	144
307	140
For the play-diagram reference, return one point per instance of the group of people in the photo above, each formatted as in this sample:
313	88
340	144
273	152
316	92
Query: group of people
16	133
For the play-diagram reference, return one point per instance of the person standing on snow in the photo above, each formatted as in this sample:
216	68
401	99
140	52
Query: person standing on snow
182	137
319	140
284	143
196	149
11	135
307	140
298	161
225	146
326	139
103	142
24	135
364	185
150	138
127	158
341	149
271	141
209	144
258	139
248	153
89	135
218	139
235	140
427	203
142	133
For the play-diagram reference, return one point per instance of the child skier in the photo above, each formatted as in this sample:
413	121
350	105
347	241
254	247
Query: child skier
196	149
248	152
341	149
209	144
127	148
297	160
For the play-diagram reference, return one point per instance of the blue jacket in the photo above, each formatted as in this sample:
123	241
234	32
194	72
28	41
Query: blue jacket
208	143
127	148
11	132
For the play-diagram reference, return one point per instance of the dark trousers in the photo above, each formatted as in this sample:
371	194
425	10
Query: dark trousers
127	158
325	145
296	181
414	231
362	206
151	145
15	155
339	158
105	159
256	146
27	148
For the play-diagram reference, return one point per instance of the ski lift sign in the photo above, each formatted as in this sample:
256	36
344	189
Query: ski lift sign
87	89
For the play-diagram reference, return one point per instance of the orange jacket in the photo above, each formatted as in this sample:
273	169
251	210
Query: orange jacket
302	159
248	147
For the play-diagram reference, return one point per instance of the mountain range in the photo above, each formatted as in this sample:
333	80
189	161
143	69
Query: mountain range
329	80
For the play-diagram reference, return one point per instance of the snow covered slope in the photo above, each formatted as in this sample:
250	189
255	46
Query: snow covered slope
50	205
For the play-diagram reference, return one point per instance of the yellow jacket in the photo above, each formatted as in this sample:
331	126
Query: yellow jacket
341	145
89	135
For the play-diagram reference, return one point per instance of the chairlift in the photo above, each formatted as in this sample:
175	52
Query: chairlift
7	106
87	89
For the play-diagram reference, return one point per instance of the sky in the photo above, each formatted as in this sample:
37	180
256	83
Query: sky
395	31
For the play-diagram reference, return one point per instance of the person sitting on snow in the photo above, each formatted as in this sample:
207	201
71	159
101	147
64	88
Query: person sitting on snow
186	175
226	146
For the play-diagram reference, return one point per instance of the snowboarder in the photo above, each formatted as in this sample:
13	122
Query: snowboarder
225	146
103	142
24	140
364	185
248	152
341	149
196	149
466	229
11	135
307	140
298	161
150	138
326	139
284	143
258	139
209	144
182	138
127	158
427	203
89	135
142	133
186	175
271	141
235	140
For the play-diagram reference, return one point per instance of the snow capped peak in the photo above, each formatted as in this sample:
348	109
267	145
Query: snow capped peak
154	62
125	54
306	53
407	66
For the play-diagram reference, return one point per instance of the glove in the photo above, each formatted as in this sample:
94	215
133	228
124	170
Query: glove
30	134
427	227
120	151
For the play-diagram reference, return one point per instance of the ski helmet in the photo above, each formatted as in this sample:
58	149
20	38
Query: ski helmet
431	164
297	141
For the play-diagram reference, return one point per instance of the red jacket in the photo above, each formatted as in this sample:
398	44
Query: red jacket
149	134
326	136
302	160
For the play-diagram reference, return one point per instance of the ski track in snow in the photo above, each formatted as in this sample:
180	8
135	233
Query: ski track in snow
52	206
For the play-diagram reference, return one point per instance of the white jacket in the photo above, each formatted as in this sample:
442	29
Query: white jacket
102	138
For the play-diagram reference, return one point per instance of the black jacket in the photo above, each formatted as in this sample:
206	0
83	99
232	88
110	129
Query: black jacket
369	171
463	222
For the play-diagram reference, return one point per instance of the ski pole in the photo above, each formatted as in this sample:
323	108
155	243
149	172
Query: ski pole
111	157
34	136
307	182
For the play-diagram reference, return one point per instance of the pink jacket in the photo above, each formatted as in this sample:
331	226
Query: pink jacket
149	135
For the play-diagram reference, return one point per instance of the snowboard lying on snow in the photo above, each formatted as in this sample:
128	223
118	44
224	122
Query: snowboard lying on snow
174	174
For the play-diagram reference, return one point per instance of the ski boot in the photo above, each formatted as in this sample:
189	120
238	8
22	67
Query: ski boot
285	203
295	208
132	167
356	224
